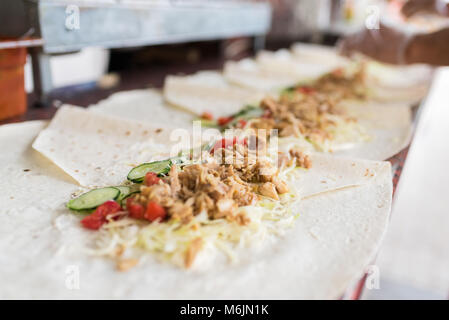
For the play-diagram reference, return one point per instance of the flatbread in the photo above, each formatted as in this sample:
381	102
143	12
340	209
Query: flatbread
406	84
247	73
100	150
275	71
387	83
206	91
97	149
145	105
283	62
330	173
388	125
42	244
319	54
389	130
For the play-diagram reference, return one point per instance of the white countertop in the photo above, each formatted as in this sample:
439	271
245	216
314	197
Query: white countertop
414	259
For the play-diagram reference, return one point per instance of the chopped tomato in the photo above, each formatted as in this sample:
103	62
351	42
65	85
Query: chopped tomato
93	222
242	123
224	143
154	211
207	116
96	219
305	90
222	121
135	209
338	72
151	178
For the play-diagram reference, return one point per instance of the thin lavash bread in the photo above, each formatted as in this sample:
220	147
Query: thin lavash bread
206	91
97	149
335	238
389	130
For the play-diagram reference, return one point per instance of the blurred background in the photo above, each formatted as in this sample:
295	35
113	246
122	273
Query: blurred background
80	52
100	44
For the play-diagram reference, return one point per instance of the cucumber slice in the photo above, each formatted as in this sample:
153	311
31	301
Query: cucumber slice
208	146
179	160
247	113
124	191
93	198
131	194
138	173
209	123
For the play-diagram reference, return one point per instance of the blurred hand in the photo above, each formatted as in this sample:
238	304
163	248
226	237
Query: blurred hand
412	7
383	44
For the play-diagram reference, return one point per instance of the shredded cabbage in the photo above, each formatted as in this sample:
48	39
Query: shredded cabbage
345	135
169	241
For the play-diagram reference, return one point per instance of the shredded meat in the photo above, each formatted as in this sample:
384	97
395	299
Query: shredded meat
302	160
310	113
219	189
174	180
216	189
268	189
339	85
126	264
192	250
281	186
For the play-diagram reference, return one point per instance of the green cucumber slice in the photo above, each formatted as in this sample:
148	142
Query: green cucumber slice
130	195
209	123
247	113
94	198
179	160
138	173
124	191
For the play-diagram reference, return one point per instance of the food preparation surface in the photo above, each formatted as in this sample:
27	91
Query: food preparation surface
88	94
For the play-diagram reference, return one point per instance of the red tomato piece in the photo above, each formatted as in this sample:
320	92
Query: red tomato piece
96	219
207	116
151	178
219	144
242	123
338	72
154	211
306	90
93	222
225	143
135	209
222	121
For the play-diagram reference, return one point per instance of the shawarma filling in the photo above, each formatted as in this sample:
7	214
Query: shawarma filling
214	188
217	199
308	115
341	84
313	111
